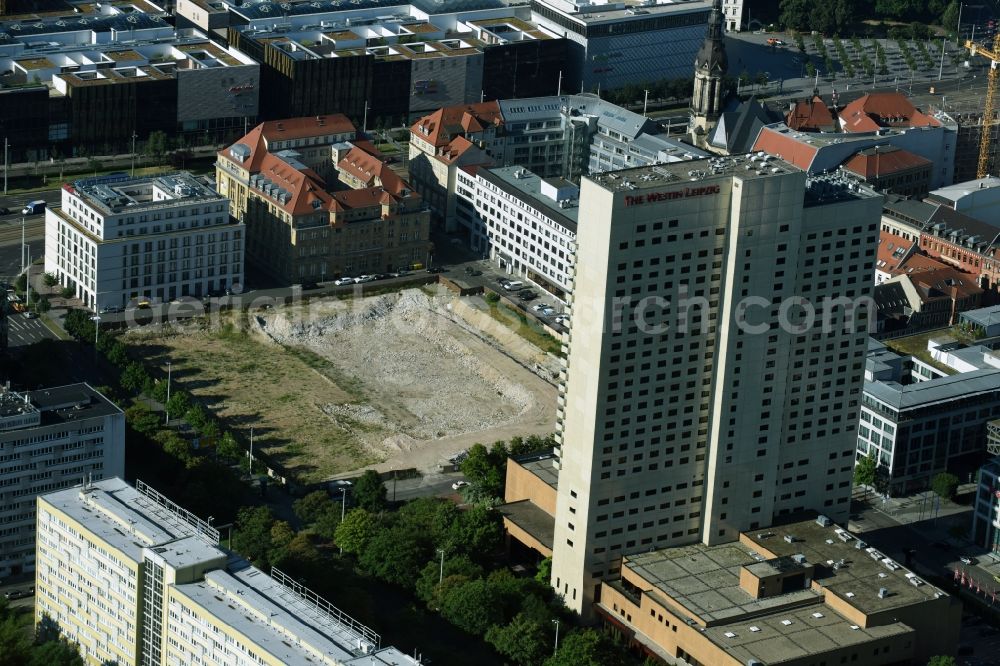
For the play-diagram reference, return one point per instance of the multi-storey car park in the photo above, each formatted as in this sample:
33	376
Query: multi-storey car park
50	439
118	240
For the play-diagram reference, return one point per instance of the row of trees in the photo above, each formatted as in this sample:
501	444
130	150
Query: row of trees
444	555
869	472
207	482
840	16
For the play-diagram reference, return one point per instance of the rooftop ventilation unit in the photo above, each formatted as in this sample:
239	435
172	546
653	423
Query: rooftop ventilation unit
823	521
883	592
789	538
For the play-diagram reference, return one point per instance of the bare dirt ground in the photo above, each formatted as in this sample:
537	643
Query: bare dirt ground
331	386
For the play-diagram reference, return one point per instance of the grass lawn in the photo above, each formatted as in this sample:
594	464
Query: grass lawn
278	391
916	345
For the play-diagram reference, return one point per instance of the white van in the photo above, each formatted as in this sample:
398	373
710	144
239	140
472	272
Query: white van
514	285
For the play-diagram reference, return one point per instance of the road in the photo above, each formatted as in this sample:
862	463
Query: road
22	331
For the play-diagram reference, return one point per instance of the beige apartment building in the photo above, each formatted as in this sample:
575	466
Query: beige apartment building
287	181
715	358
134	579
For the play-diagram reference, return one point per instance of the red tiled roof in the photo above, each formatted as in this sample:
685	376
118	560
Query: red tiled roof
371	171
299	128
918	263
892	251
810	116
885	109
254	141
945	283
305	187
785	146
883	161
440	127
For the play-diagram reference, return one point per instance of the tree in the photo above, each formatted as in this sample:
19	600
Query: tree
14	643
395	555
810	69
795	14
50	280
327	522
525	640
21	283
484	470
355	531
544	573
864	471
134	377
141	419
179	403
941	660
949	20
369	491
478	532
117	353
458	569
472	607
312	506
156	144
587	647
252	536
282	534
59	652
227	448
67	292
944	485
44	304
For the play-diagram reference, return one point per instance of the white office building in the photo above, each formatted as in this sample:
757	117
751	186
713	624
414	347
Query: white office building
527	224
715	358
117	240
50	439
132	578
918	420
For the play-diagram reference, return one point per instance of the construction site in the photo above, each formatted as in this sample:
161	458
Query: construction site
396	381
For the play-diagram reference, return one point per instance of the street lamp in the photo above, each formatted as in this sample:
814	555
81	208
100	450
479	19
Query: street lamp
441	576
134	135
166	406
343	506
645	102
555	650
97	328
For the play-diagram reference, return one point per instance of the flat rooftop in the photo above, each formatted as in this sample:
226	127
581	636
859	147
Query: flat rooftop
118	192
702	583
540	464
528	186
937	390
691	172
61	404
622	11
532	519
254	604
121	516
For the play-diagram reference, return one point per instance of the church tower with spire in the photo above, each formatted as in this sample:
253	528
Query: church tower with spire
710	66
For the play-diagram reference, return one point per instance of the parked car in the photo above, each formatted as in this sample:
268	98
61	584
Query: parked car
538	307
474	272
341	281
967	559
527	296
309	285
459	484
436	269
31	315
19	594
364	278
548	311
4	211
399	273
563	319
112	308
513	285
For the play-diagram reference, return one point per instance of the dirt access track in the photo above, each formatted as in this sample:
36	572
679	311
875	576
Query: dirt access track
394	381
